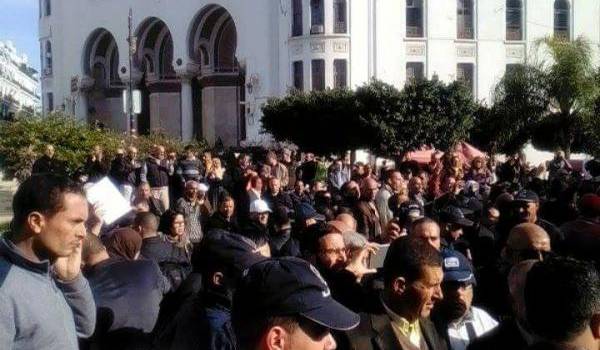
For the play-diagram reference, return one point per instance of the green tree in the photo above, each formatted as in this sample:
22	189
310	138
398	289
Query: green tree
314	121
377	116
547	101
23	140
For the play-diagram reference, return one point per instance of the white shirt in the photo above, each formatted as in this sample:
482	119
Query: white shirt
457	331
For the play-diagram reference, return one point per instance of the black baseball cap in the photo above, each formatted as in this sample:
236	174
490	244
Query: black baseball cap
454	215
410	210
527	196
227	249
457	268
289	286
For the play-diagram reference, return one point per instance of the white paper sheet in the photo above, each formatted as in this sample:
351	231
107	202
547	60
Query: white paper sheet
107	199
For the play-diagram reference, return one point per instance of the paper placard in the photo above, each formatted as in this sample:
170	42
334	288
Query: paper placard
109	202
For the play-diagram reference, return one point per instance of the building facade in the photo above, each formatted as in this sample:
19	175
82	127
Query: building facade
19	83
205	68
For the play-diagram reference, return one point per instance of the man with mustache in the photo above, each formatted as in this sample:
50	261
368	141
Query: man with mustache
456	319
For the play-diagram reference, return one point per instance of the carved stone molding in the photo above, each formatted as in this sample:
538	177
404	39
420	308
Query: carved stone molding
415	50
465	51
297	49
515	52
340	46
317	46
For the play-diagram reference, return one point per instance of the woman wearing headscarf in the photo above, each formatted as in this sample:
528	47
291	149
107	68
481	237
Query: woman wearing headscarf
125	243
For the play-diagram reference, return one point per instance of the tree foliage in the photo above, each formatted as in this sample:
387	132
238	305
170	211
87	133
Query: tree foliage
377	116
23	140
549	102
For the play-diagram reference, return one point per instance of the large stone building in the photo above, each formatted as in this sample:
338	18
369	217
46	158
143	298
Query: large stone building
204	68
19	82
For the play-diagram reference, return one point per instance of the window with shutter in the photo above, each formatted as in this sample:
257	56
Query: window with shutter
339	14
415	71
464	74
561	19
298	75
514	20
296	17
414	19
464	19
317	17
318	75
340	73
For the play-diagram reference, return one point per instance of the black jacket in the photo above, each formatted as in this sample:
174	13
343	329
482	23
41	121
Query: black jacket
48	165
124	172
218	221
174	262
505	336
156	173
280	200
375	332
96	169
129	315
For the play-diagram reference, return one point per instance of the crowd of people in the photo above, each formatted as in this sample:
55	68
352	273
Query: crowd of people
272	252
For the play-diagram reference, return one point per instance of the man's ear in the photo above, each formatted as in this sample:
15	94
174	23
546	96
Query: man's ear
399	286
217	279
36	222
276	338
595	326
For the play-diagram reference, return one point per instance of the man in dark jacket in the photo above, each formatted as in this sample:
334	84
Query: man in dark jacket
96	165
204	321
172	260
156	172
124	171
47	163
365	212
275	197
127	294
412	278
513	332
224	218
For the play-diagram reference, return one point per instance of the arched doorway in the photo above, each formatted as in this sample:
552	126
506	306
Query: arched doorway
159	84
212	45
104	88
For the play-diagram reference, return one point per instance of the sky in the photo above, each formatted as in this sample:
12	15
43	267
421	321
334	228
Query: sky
19	24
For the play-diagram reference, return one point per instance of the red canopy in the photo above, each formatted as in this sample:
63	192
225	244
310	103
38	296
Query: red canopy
466	151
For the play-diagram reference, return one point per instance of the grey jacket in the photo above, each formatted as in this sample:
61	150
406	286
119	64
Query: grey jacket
38	311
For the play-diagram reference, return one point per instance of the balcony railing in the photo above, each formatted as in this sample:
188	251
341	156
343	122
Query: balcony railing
514	34
414	32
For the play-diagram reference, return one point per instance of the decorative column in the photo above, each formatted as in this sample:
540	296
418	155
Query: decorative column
185	73
187	109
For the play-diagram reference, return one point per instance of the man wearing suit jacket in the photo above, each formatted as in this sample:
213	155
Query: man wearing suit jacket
365	212
412	285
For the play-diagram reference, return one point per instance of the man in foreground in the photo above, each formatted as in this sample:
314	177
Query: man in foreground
571	289
285	304
412	286
46	303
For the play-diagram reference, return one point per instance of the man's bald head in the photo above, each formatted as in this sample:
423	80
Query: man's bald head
348	220
527	241
369	188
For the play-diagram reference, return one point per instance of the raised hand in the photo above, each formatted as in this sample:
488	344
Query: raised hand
67	268
358	264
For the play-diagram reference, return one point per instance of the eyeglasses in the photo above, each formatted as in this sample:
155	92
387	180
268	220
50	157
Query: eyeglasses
334	251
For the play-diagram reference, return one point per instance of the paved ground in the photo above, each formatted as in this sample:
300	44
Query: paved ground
7	189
